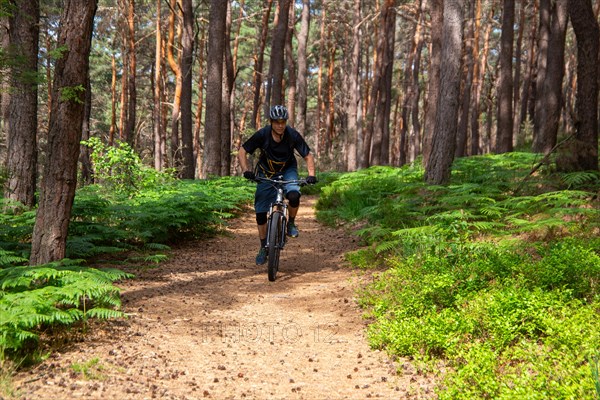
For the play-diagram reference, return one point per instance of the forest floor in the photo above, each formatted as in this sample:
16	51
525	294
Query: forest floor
207	323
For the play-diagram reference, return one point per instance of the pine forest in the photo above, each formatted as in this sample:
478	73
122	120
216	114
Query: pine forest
457	138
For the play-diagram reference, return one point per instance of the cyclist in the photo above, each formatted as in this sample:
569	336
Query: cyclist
277	142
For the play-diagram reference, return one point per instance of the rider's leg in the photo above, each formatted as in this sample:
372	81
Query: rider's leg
294	204
261	223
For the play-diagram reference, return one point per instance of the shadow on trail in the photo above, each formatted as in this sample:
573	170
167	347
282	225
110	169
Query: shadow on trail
219	273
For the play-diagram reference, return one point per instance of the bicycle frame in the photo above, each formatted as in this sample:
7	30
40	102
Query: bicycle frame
277	223
279	205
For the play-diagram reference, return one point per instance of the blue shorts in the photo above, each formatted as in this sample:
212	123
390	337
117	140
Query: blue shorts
266	194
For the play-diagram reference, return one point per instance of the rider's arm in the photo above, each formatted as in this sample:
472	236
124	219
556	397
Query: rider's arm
243	159
310	164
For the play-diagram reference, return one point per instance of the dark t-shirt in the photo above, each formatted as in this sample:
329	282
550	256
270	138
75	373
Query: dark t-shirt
275	156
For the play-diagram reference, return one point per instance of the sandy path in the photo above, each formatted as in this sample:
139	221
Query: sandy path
208	324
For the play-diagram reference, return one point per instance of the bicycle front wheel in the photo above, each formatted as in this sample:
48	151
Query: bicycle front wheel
275	231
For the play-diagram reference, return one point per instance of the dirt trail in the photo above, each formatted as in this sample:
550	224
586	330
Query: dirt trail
208	324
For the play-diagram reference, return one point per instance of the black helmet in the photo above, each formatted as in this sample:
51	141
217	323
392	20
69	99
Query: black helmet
278	112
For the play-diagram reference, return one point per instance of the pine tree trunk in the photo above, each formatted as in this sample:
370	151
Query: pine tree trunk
542	67
200	104
462	132
478	79
276	68
584	156
258	65
130	125
227	89
22	129
444	135
354	91
504	141
59	181
187	61
433	89
550	98
176	156
528	82
158	133
113	103
517	73
290	59
302	82
211	163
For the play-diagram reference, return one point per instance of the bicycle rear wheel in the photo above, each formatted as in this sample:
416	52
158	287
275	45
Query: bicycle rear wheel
275	227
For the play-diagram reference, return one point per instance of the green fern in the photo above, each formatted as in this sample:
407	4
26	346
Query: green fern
57	293
580	179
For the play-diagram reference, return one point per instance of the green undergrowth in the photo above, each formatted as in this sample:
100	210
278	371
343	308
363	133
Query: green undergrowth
131	215
493	279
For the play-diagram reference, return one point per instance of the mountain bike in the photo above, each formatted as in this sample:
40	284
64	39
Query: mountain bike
277	222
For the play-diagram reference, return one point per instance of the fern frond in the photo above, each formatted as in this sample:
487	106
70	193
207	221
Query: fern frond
580	178
104	313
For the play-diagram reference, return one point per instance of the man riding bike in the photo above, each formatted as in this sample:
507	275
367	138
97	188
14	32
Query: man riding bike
277	142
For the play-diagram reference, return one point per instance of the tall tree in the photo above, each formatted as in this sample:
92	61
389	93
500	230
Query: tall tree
158	127
302	82
22	118
353	90
211	165
505	80
227	90
585	148
381	146
175	65
259	62
446	119
549	102
437	19
410	106
290	61
276	68
187	61
471	59
130	124
4	82
59	181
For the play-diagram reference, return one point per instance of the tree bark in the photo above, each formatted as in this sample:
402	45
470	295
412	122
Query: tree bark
258	65
158	128
211	163
550	97
433	90
527	83
291	68
21	164
504	141
542	64
59	181
200	103
227	89
302	82
175	65
277	54
131	76
354	91
187	61
444	135
462	133
584	156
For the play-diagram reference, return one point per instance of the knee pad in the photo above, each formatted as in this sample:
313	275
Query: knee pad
261	218
294	198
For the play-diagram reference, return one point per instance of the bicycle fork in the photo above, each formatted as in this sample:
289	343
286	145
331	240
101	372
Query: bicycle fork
282	209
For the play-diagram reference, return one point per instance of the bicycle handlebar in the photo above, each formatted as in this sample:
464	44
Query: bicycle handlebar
300	182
